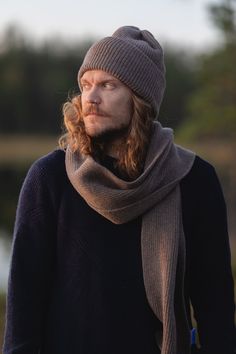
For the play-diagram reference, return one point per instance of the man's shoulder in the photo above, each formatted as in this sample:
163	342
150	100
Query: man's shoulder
201	168
201	175
43	181
49	169
53	162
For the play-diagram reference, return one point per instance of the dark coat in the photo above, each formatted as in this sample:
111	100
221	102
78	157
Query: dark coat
76	285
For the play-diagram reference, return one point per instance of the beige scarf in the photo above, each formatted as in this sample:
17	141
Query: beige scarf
155	195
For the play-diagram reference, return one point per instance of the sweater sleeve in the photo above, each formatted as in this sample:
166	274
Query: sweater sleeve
210	277
31	267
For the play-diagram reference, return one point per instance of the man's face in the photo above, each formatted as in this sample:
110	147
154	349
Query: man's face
106	105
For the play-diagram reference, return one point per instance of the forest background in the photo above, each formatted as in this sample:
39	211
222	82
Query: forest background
35	80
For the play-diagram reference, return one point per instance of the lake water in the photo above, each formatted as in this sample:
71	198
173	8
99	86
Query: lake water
5	250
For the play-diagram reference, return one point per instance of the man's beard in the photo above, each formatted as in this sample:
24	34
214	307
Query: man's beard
110	135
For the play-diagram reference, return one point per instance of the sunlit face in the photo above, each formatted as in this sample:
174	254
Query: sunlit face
106	104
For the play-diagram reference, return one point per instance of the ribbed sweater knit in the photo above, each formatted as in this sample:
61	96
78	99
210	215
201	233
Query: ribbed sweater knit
76	283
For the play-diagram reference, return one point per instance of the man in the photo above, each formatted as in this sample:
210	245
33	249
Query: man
120	229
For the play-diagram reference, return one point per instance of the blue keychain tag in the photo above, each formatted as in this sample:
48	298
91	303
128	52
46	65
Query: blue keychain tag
193	336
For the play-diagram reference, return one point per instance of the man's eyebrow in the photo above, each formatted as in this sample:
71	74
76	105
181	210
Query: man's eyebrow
83	80
102	81
108	80
111	80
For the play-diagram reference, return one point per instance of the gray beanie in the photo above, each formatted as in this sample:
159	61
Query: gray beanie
135	58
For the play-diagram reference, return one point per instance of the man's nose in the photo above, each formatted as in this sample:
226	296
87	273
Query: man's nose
93	96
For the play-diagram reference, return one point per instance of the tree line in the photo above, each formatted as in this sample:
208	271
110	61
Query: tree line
200	100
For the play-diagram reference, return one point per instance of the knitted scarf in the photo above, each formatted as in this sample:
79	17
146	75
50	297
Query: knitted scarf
155	195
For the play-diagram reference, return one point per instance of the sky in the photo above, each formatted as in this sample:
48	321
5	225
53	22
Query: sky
184	22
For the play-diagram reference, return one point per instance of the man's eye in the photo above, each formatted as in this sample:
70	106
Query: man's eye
108	85
85	86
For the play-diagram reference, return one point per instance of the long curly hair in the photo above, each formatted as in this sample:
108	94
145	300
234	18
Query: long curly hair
132	154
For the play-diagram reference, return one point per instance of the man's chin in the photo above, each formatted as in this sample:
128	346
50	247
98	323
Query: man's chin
109	135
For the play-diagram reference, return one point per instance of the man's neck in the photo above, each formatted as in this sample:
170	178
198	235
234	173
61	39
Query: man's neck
112	149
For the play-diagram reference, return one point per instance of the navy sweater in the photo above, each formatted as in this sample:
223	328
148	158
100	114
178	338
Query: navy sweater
76	284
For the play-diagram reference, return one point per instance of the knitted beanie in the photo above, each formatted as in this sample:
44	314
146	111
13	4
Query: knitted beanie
135	58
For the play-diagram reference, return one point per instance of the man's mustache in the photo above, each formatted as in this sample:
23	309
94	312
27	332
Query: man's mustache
94	109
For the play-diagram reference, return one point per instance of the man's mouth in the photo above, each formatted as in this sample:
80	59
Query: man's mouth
94	112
